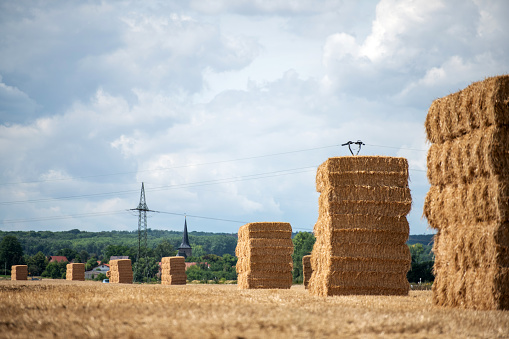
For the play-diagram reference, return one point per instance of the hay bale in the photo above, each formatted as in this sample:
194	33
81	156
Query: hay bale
468	202
331	203
365	222
264	252
484	199
481	153
75	271
306	270
361	231
480	105
173	271
19	272
121	271
383	171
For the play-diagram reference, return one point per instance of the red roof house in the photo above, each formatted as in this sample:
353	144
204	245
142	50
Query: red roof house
57	258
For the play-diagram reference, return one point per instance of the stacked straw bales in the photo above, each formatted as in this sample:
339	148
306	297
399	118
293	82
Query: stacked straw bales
468	202
362	230
306	269
75	271
19	272
264	251
173	271
121	271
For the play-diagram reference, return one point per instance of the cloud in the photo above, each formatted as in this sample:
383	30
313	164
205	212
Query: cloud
99	45
223	110
15	105
412	44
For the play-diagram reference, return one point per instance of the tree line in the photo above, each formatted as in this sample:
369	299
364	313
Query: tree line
213	253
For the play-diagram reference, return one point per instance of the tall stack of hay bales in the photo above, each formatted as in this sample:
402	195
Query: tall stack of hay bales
75	271
468	202
306	269
264	251
121	271
362	230
173	271
19	272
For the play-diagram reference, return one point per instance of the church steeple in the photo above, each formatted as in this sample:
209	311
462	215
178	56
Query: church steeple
185	249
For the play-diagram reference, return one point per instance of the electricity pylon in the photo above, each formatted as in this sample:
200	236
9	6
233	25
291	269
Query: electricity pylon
142	233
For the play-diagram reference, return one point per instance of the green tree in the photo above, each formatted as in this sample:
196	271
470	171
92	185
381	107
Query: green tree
56	270
11	252
302	245
164	249
37	264
112	250
198	251
69	253
421	272
91	263
194	273
145	269
84	256
416	251
100	277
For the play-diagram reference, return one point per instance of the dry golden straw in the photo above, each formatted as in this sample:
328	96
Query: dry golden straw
468	202
173	271
121	271
19	272
75	271
361	229
264	252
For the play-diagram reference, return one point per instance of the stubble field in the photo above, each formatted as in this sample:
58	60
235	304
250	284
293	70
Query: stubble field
71	309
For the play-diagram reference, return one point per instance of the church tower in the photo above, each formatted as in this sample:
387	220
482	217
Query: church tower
185	249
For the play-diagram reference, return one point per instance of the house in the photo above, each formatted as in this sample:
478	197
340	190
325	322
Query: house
58	258
91	274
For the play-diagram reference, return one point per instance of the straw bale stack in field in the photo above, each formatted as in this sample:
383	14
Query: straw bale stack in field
121	271
19	272
306	269
75	271
173	271
264	251
468	202
361	231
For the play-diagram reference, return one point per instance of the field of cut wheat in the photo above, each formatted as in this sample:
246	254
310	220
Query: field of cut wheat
72	309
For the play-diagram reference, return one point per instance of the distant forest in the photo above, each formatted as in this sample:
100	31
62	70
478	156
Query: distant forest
50	243
96	243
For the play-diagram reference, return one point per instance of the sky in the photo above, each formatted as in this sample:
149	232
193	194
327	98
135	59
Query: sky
223	109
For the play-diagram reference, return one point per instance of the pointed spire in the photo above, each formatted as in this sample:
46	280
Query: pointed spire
185	237
185	249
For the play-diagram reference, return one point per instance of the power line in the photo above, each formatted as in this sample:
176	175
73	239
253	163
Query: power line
82	215
199	164
96	214
174	167
178	186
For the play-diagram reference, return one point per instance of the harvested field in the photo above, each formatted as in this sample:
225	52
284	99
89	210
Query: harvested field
81	309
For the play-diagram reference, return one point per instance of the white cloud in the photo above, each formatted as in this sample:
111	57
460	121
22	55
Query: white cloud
15	105
193	98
